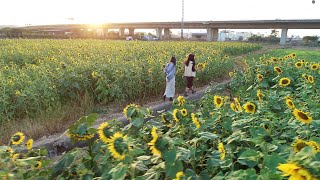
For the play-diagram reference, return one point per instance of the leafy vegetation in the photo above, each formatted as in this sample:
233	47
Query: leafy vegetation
268	128
40	76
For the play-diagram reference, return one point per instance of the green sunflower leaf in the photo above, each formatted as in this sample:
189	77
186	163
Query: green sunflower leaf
249	158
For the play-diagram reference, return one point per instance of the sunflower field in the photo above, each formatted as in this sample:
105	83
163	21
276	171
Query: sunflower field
39	76
267	128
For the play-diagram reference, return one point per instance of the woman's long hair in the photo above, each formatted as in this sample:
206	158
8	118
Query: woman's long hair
190	58
173	60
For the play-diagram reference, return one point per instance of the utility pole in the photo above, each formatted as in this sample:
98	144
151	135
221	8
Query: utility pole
182	23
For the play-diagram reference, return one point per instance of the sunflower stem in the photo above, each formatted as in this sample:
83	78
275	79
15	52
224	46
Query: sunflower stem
90	153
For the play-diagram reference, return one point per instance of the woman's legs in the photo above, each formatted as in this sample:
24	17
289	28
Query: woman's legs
192	90
186	91
189	86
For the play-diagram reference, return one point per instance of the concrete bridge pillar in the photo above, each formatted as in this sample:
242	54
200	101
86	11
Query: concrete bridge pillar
212	34
121	32
131	31
105	33
283	36
166	34
94	33
159	33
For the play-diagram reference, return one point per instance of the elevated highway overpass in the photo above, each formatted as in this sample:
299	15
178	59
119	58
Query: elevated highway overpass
212	27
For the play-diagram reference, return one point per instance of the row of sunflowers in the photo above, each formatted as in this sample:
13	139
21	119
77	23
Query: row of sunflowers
267	128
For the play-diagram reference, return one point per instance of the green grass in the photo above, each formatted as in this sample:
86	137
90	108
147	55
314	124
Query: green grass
308	55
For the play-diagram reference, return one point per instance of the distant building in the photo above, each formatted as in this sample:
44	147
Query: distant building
199	36
226	35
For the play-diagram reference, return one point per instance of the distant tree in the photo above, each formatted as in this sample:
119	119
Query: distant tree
255	38
112	34
310	39
11	32
141	34
274	33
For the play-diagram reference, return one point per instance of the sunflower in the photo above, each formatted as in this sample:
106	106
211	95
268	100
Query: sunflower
15	156
184	112
302	174
314	145
277	69
311	79
94	75
175	115
260	77
153	142
200	66
284	82
288	169
233	107
181	100
304	76
238	105
314	66
103	132
9	150
258	70
289	103
125	110
273	59
195	120
29	144
266	127
37	165
288	97
218	101
17	138
299	144
295	171
298	64
222	151
303	117
260	95
293	55
178	175
230	74
163	118
204	64
249	107
117	146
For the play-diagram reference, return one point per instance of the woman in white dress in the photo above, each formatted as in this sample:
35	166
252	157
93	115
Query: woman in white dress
170	71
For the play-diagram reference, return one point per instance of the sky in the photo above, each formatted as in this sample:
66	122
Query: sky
41	12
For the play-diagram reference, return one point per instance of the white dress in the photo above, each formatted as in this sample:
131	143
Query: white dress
170	87
170	70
